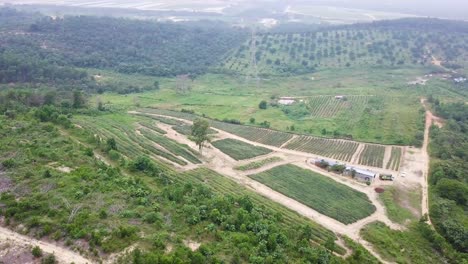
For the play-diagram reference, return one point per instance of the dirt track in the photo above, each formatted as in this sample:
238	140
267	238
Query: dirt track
214	159
223	164
63	255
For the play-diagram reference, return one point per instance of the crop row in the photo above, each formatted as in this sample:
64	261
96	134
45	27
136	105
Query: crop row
332	148
321	193
260	135
177	149
132	145
329	106
372	155
258	164
239	150
394	161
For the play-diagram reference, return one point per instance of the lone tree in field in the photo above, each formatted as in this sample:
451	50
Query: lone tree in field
200	132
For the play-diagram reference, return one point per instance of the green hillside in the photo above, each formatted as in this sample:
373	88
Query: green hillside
383	44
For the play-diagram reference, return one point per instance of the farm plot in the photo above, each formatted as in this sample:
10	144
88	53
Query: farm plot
328	197
260	135
132	145
394	161
329	106
372	155
258	164
332	148
239	150
152	126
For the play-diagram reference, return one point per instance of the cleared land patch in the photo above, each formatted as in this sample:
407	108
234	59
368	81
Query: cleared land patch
258	164
318	192
239	150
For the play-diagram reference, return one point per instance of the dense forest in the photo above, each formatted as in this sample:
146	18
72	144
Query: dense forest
128	46
449	179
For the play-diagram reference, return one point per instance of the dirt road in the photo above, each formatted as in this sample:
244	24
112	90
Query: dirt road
223	164
63	255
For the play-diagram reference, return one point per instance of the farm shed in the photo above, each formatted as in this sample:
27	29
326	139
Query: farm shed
286	101
319	162
360	174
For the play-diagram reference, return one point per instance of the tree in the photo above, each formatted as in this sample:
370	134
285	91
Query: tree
262	105
111	144
252	120
200	132
100	105
78	99
156	85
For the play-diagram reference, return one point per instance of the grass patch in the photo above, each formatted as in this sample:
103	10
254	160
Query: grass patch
391	199
401	246
258	164
328	197
239	150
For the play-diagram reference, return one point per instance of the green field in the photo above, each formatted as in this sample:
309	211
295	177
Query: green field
318	192
336	149
366	116
372	155
394	161
402	247
401	204
239	150
258	164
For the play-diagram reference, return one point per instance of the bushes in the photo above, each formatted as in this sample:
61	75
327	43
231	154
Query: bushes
453	190
144	164
9	163
36	252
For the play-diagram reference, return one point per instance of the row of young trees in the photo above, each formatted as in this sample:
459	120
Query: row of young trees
448	177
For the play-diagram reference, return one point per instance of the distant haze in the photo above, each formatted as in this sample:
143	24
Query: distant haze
454	9
435	8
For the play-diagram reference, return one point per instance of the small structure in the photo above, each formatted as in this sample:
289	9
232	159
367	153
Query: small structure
340	97
360	174
459	80
286	100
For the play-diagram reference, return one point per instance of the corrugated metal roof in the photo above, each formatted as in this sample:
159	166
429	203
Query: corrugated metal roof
363	172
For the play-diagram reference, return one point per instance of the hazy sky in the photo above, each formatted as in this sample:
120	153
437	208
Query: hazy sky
444	8
435	8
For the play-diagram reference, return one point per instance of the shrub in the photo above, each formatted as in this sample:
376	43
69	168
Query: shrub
114	155
89	152
36	252
263	104
9	163
152	217
50	259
